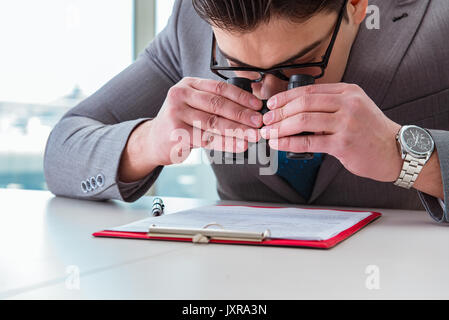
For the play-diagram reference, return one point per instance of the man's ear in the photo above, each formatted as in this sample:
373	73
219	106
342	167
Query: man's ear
357	10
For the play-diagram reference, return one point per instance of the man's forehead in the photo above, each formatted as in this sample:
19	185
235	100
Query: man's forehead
276	43
303	52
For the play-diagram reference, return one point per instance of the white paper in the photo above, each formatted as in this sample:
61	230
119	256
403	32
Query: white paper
283	223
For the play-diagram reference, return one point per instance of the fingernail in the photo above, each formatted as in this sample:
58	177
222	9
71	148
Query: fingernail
268	117
274	144
271	103
264	132
256	120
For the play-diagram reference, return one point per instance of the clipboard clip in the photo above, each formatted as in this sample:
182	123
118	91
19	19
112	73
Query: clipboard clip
204	235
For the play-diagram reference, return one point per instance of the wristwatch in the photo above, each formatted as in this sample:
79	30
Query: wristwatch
417	146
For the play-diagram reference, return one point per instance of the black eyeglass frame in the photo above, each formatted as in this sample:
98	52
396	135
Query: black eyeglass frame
277	71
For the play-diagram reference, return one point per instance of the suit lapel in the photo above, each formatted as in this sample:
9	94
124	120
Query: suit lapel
276	184
374	60
328	170
376	54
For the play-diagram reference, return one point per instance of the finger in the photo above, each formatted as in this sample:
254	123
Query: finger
227	144
304	144
281	99
305	103
302	122
186	138
212	141
228	91
214	123
224	107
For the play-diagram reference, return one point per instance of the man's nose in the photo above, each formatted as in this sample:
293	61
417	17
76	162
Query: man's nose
269	87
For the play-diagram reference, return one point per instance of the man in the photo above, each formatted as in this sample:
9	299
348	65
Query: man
114	144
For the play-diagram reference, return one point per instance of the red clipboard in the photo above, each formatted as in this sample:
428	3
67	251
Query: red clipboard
319	244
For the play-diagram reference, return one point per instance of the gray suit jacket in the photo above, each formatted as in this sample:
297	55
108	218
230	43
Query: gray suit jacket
403	67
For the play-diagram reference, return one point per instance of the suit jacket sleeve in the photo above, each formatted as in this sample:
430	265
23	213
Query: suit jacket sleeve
432	204
89	140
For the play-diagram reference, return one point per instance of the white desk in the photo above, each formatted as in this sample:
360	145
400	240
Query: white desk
41	236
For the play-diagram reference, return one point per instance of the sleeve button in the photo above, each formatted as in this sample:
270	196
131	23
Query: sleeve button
84	187
93	183
89	187
100	180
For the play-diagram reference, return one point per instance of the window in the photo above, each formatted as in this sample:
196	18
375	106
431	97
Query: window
54	53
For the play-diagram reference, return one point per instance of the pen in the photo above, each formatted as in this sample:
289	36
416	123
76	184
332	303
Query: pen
157	208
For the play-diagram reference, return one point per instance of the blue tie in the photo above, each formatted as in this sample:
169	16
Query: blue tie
300	174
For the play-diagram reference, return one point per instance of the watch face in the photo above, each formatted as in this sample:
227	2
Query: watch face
417	140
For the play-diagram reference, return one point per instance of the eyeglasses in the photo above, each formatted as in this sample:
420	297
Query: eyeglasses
283	72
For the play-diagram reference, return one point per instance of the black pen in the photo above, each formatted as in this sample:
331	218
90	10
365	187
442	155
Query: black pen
158	207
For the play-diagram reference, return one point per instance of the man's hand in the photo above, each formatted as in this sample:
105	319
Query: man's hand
196	113
225	118
346	122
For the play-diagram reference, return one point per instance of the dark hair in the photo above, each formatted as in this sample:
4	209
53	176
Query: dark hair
246	15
